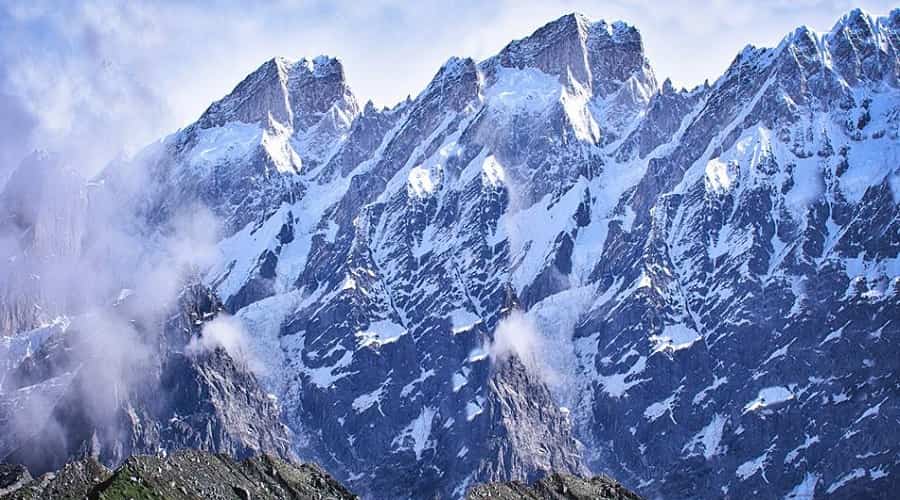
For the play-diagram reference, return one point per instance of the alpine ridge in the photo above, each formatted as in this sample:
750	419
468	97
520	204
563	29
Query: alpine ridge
545	261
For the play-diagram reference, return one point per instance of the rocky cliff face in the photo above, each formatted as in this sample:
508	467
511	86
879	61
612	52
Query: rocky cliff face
548	261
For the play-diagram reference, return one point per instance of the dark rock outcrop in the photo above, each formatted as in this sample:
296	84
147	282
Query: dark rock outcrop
185	474
12	477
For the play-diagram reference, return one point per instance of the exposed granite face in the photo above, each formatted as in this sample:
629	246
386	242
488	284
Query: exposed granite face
598	56
292	94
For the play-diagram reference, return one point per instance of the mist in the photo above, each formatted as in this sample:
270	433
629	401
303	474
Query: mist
82	250
118	280
228	333
518	336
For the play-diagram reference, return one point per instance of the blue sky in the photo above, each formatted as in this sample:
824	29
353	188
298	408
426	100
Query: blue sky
100	76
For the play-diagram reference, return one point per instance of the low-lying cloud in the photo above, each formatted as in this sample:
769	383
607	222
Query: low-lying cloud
228	333
80	249
518	336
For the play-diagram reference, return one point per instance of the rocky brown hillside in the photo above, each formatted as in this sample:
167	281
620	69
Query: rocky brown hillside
187	474
555	487
192	474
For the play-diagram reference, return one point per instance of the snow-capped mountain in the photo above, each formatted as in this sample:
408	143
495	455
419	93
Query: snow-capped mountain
549	261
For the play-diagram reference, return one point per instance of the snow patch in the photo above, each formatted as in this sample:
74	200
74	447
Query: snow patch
379	333
324	376
474	408
463	320
719	175
793	454
770	396
477	354
617	385
749	468
781	352
492	173
846	478
717	382
806	489
408	388
415	436
674	338
420	184
708	438
365	401
460	378
878	472
872	411
522	90
216	146
660	408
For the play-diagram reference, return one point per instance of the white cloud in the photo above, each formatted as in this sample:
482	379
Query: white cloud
228	333
517	335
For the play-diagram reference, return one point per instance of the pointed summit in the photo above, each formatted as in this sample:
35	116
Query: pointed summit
855	20
598	56
314	86
557	48
892	20
454	84
861	48
262	94
292	94
616	55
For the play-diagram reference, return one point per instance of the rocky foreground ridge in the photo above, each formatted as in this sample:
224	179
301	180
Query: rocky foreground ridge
182	475
191	474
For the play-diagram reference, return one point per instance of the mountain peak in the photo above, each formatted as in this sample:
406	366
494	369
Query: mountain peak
668	87
573	20
455	83
557	48
855	19
291	93
321	66
863	48
262	94
596	55
572	23
893	18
